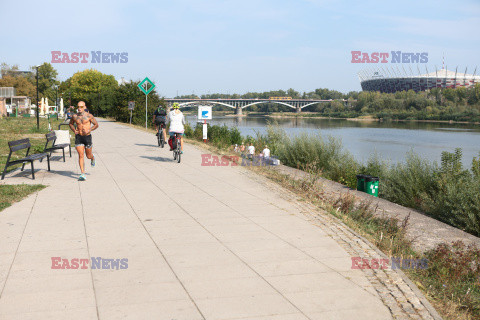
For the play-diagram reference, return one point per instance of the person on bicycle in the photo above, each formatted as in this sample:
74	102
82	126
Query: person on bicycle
159	118
177	122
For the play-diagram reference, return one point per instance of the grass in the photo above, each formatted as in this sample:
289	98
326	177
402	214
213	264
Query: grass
10	194
20	128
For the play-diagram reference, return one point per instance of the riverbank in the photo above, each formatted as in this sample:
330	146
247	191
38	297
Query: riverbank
315	115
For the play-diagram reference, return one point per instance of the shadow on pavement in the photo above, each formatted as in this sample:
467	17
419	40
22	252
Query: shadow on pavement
161	159
69	174
146	145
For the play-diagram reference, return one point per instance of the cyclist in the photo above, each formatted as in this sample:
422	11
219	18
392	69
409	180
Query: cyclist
176	121
159	118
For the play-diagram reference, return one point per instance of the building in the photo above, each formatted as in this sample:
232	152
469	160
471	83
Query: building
9	102
390	81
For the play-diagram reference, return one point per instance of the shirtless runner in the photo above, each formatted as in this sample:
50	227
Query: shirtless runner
83	139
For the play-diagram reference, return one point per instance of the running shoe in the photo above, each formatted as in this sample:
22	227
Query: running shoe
82	177
93	162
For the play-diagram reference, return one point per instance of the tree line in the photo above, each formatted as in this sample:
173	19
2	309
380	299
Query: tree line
106	97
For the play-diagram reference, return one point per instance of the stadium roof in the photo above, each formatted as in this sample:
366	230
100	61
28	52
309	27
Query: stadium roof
444	73
390	72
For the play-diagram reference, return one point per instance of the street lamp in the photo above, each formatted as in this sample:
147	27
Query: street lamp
56	98
38	111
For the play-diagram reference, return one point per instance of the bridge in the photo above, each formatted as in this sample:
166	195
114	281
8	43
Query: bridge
239	104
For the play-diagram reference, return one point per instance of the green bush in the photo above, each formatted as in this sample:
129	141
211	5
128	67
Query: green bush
410	182
448	192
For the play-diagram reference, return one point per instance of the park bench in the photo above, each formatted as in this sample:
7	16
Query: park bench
51	136
20	145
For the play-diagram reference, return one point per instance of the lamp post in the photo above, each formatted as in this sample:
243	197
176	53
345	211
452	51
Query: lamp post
56	98
38	111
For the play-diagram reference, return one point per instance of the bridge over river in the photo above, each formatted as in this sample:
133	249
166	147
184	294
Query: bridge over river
239	104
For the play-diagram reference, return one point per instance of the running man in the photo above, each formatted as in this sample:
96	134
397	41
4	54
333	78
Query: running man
83	138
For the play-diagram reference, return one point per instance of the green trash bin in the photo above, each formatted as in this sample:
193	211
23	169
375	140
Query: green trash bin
371	185
361	182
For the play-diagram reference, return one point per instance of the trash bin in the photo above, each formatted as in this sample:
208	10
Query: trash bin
371	185
361	182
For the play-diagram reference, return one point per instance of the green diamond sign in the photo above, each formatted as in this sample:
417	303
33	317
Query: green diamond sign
146	86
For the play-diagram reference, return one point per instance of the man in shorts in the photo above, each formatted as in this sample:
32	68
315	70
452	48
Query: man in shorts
83	138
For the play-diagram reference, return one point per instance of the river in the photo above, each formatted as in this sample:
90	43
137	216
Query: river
390	140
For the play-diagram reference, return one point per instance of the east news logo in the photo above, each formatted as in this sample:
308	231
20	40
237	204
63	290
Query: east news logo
96	263
394	56
96	57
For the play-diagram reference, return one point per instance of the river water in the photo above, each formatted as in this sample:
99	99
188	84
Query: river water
390	140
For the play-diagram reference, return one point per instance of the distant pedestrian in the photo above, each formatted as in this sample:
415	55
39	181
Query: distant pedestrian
242	148
69	113
266	152
251	151
235	149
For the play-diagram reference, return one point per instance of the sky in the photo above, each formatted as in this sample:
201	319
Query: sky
213	46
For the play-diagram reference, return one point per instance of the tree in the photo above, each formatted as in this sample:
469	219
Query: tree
47	79
130	92
89	85
21	81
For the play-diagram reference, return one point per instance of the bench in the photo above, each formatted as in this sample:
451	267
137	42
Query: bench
52	137
20	145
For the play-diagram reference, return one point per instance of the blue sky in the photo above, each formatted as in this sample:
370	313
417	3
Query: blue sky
212	46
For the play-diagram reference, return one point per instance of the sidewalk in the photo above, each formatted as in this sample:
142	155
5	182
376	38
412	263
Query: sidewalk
201	242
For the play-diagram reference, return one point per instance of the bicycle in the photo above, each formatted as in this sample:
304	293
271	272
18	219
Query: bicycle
177	151
160	138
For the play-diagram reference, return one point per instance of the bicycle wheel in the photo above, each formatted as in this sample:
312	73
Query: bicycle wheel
174	154
162	142
159	138
178	158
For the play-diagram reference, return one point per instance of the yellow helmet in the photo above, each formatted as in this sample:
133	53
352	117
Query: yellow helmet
175	106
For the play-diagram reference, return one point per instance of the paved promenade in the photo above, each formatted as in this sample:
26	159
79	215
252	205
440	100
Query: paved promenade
201	243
